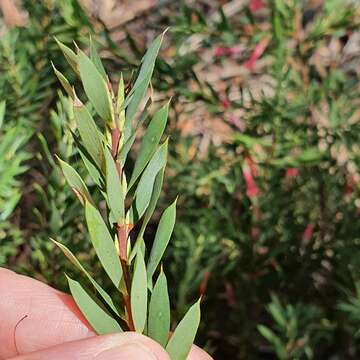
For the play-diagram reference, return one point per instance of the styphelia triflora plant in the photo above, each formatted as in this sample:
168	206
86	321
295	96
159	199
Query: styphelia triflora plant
130	202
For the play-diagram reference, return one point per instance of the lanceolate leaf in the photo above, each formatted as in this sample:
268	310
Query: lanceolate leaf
114	190
88	132
70	56
98	318
103	243
79	266
159	312
94	56
2	112
150	141
146	183
183	337
274	339
142	82
91	167
139	293
128	142
162	237
95	87
64	82
149	211
153	201
120	102
75	182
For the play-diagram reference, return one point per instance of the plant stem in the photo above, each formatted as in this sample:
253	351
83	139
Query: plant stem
122	235
115	138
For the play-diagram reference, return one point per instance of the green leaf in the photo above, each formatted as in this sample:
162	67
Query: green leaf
64	82
89	132
2	112
159	311
183	337
114	190
142	82
103	243
162	237
119	103
127	144
150	142
75	181
99	319
70	56
275	340
149	211
95	87
72	258
146	183
153	201
139	293
91	167
95	58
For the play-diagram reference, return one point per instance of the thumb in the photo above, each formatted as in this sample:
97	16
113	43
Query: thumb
124	346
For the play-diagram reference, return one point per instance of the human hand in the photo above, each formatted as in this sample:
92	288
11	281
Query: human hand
38	322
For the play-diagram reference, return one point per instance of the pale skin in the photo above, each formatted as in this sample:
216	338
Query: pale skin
38	322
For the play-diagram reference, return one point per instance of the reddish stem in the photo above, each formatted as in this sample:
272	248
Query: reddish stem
115	139
122	235
121	230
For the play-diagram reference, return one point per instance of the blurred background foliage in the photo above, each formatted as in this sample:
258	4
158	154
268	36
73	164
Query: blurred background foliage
265	153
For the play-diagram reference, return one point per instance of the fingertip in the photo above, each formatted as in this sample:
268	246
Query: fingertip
128	345
198	354
134	346
35	316
6	272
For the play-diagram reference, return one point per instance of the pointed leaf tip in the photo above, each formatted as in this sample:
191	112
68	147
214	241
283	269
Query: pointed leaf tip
183	337
95	87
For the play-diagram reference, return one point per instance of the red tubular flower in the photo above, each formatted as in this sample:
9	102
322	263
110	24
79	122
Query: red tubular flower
255	55
225	103
308	232
227	51
291	173
256	5
253	167
220	51
252	189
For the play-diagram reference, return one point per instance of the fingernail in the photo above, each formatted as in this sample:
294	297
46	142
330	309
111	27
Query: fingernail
131	351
